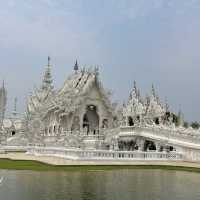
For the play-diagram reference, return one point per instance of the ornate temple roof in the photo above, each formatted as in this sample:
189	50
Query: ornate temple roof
67	99
150	107
75	89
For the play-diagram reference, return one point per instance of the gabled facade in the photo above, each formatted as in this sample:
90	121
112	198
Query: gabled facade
80	107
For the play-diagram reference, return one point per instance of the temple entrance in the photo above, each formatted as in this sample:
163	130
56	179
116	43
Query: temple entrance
130	121
13	133
149	146
156	120
91	120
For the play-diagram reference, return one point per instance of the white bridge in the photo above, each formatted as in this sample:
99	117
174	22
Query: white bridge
186	142
76	154
187	146
168	136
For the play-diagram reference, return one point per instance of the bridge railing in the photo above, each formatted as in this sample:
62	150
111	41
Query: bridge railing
104	154
167	133
14	148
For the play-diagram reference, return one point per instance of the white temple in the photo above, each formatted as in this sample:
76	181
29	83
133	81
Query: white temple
80	121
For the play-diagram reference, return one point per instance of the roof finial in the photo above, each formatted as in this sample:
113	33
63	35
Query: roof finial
47	78
49	59
135	85
134	91
76	66
153	92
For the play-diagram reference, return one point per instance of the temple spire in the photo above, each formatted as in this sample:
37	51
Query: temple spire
3	84
47	79
135	90
49	59
153	92
180	116
3	101
76	67
15	107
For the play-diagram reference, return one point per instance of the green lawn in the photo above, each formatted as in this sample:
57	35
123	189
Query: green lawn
38	166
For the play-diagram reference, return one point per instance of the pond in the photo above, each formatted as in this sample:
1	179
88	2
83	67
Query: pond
130	184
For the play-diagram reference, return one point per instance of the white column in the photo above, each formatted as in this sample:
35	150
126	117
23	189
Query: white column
140	143
157	146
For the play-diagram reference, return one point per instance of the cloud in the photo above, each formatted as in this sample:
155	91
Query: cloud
39	25
150	41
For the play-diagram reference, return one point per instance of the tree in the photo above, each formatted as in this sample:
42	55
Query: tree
186	124
195	125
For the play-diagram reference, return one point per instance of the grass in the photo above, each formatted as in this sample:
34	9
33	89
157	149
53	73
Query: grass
39	166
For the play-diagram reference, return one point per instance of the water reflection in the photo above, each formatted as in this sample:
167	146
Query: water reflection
100	185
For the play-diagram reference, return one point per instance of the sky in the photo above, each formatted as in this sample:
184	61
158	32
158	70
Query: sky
150	41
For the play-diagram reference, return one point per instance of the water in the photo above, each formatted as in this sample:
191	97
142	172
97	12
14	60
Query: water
100	185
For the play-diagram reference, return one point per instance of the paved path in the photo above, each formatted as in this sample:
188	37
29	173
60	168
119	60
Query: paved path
61	161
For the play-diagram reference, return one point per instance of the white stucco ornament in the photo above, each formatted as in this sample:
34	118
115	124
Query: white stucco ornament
18	124
7	123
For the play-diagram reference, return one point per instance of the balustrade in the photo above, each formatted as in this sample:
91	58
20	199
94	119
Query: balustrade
105	155
162	132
